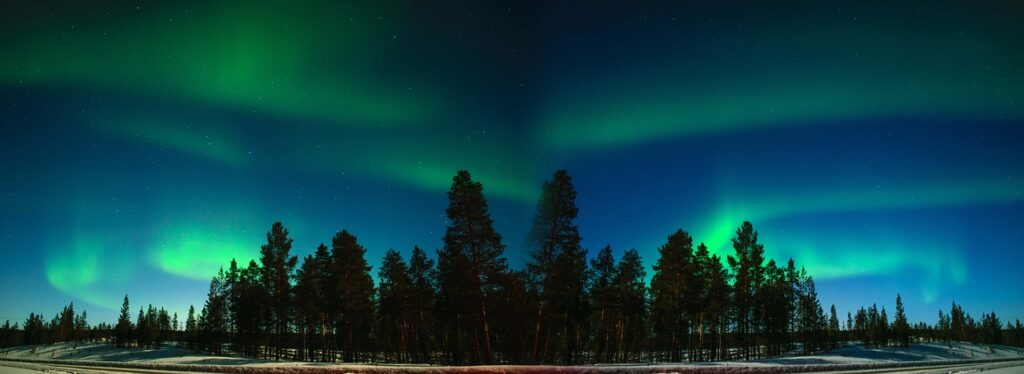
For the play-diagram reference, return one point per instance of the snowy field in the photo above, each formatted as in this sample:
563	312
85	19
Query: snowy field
173	358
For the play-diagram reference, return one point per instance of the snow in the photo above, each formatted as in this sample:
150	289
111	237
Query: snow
174	358
1015	369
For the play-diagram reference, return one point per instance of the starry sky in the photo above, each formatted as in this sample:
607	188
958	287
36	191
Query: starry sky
146	144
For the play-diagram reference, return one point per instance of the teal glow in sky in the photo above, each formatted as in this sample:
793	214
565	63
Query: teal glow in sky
148	144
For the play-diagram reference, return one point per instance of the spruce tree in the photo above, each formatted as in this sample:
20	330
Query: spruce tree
900	327
190	327
833	327
124	325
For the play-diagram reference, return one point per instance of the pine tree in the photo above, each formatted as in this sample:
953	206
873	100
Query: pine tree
306	304
900	327
718	305
470	268
353	291
213	321
558	267
811	317
124	325
604	310
81	327
883	328
631	298
278	269
322	283
422	277
34	329
747	272
833	327
190	328
394	300
672	274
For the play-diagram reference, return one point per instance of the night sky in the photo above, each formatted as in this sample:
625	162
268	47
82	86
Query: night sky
144	145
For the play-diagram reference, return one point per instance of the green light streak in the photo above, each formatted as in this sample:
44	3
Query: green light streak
89	266
963	191
855	254
263	58
202	140
859	70
437	176
197	252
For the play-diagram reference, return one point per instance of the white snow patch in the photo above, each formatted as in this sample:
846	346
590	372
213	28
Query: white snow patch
174	358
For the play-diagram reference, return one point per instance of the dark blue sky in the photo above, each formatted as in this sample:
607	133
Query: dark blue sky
145	145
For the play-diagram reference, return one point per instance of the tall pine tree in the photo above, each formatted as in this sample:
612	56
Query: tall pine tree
470	270
278	269
558	268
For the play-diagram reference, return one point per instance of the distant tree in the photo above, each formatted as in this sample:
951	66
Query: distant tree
900	327
957	323
849	322
882	329
812	320
35	329
123	333
833	327
990	329
470	270
64	329
190	328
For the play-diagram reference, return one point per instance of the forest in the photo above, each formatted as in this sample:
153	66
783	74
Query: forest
465	305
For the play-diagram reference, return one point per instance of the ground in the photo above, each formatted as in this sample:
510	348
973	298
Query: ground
853	357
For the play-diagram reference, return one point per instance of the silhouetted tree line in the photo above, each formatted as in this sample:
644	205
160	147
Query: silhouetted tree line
467	306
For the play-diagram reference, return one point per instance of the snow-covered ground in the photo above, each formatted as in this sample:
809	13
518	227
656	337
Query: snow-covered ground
170	357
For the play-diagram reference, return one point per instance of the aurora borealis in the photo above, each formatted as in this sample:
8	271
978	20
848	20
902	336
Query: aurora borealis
145	144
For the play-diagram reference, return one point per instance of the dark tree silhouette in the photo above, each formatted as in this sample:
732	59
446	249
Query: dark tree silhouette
900	327
470	270
124	325
670	285
352	291
747	270
278	269
396	310
472	309
558	273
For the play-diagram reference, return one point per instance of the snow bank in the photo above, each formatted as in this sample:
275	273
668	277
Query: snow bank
172	358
